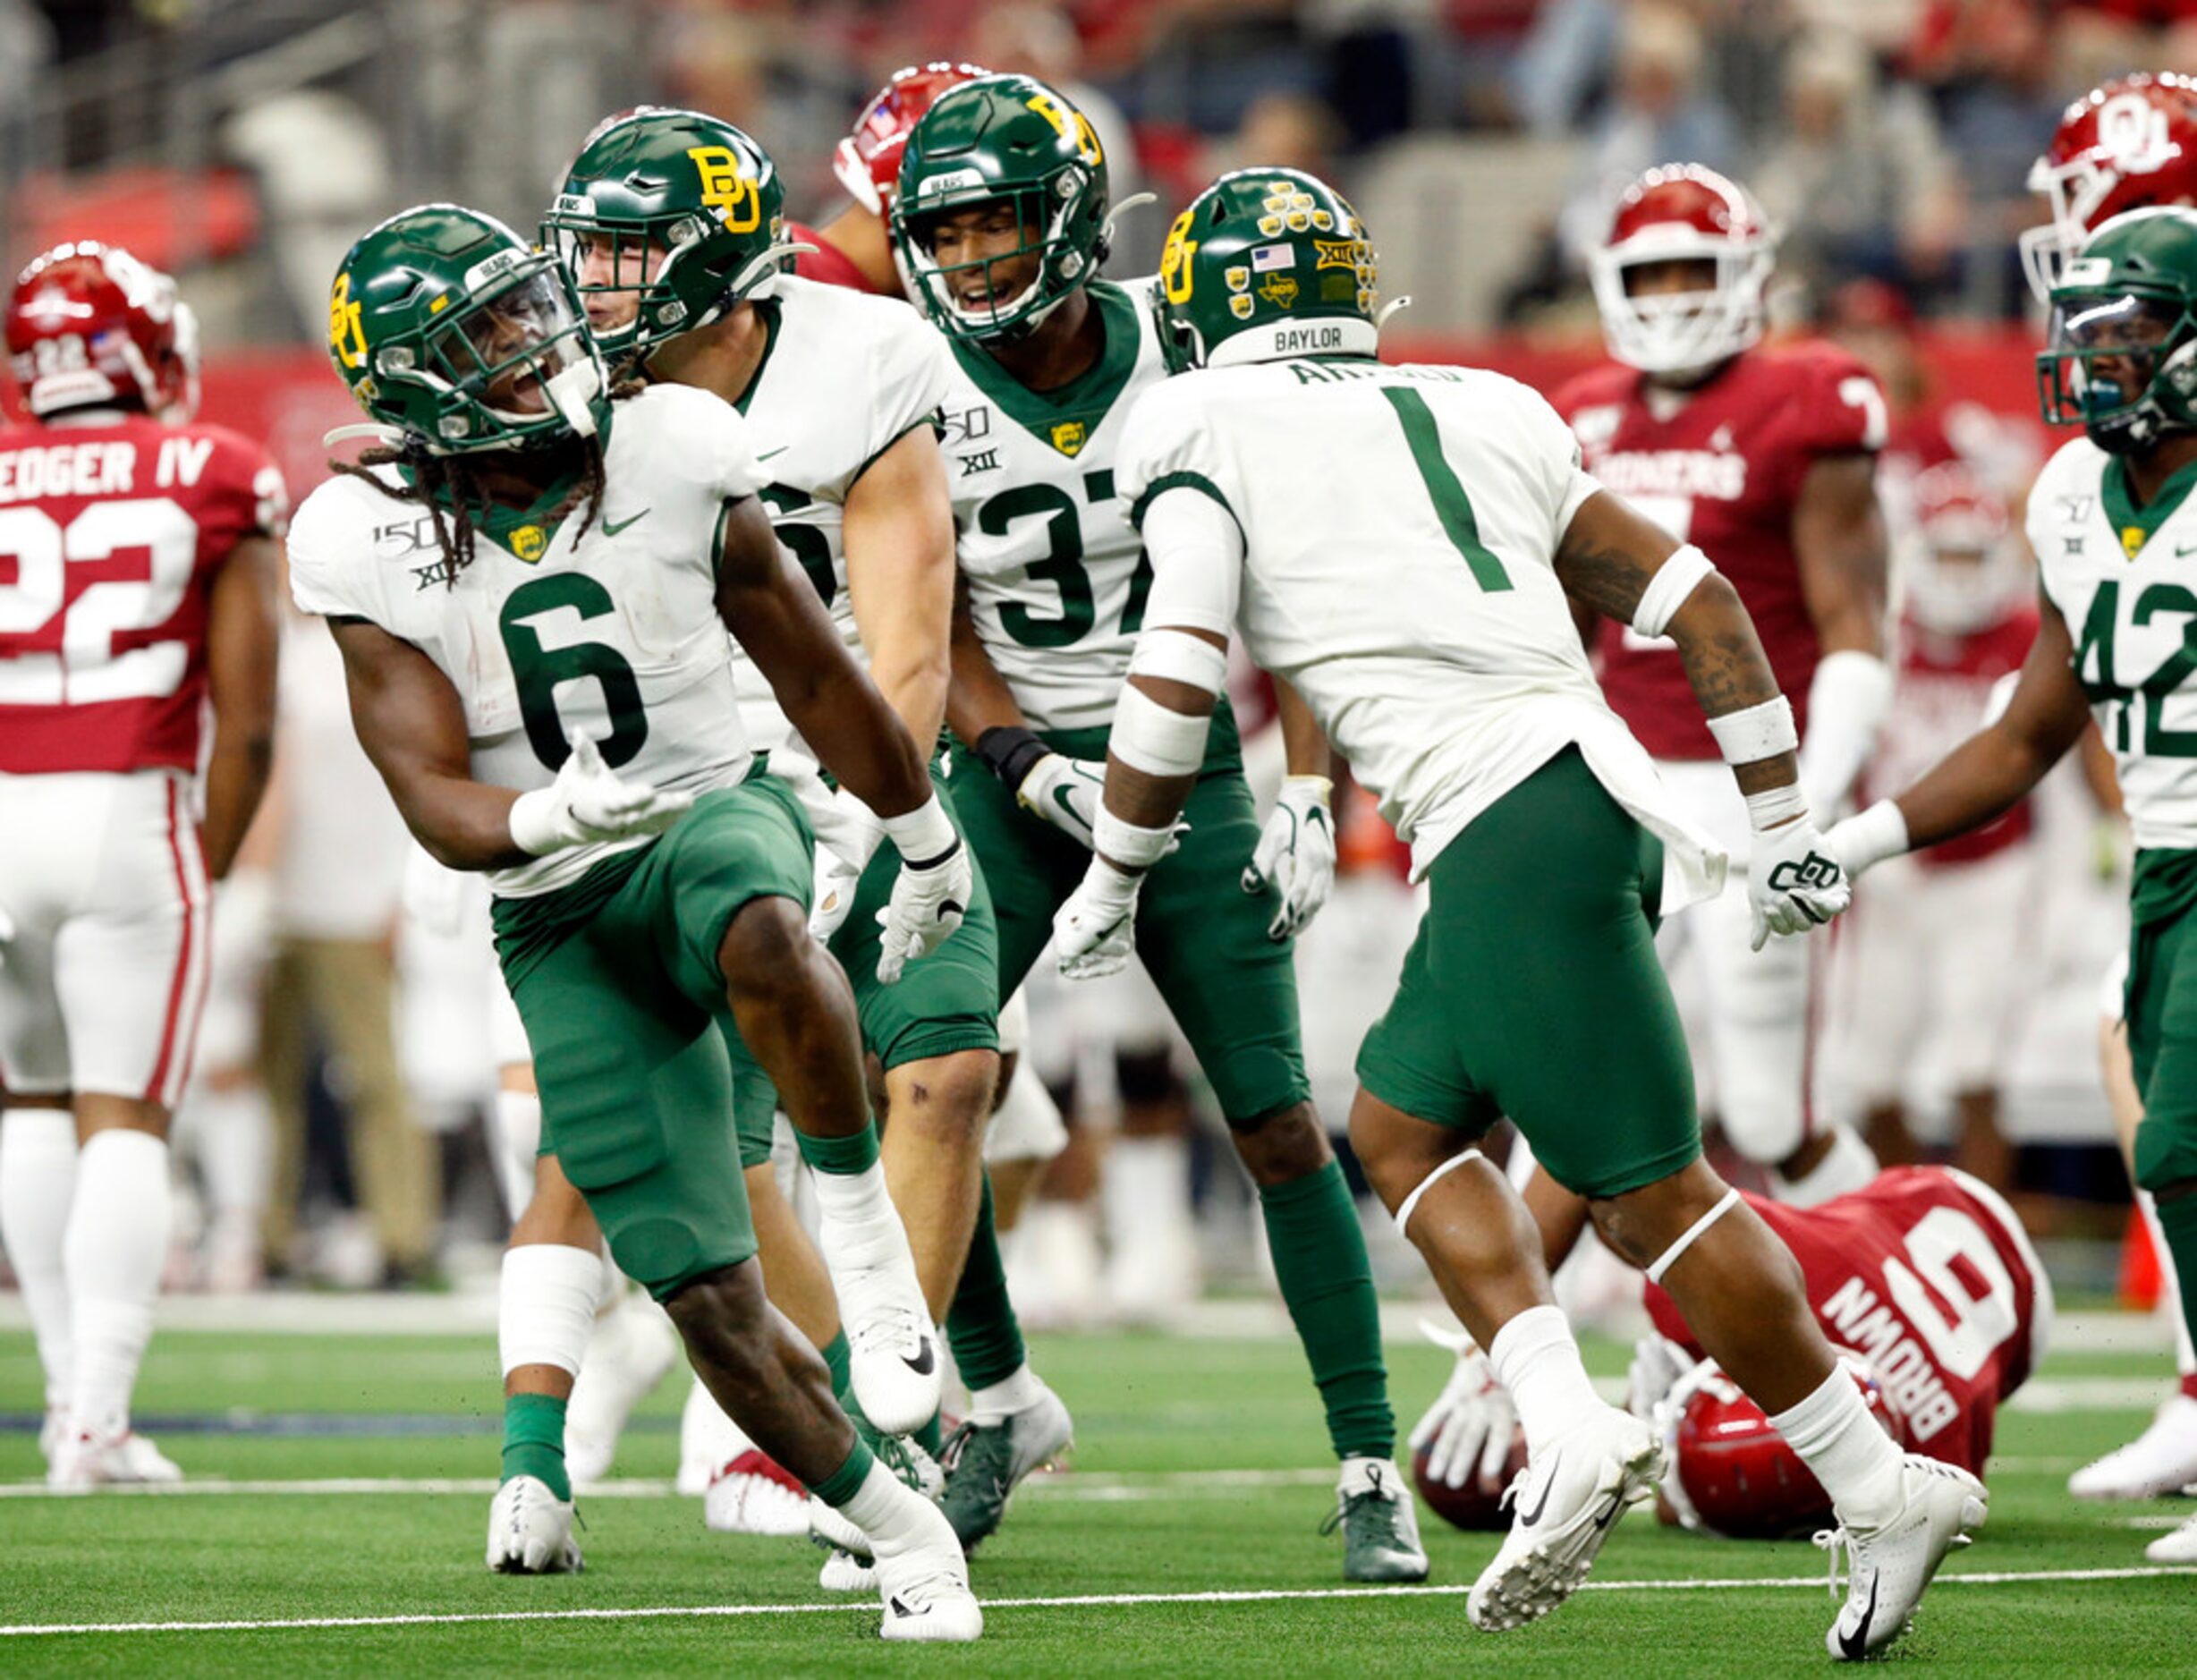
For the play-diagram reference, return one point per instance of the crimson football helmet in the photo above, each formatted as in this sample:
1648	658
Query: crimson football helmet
2126	144
1962	571
1685	212
88	324
1731	1472
867	161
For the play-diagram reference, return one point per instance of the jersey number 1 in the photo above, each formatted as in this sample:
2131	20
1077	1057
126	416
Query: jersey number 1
1452	506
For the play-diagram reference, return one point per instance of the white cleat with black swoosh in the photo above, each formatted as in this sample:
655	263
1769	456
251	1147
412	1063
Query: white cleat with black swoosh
1891	1566
1566	1502
925	1585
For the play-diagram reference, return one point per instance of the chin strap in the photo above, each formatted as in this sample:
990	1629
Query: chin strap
1132	202
574	390
1380	318
393	436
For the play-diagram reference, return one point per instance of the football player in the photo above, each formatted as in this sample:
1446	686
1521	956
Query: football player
2130	143
1764	458
672	222
551	699
1456	686
2109	524
1001	223
139	594
1933	953
1924	1281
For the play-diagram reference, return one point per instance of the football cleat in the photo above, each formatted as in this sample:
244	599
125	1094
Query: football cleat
531	1530
986	1458
2180	1547
1566	1503
1890	1566
82	1459
1379	1524
894	1361
843	1570
754	1494
916	1470
925	1585
2162	1460
632	1349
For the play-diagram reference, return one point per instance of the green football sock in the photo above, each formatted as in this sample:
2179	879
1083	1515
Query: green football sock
1326	1281
844	1482
534	1440
841	1156
839	1360
2178	1219
980	1326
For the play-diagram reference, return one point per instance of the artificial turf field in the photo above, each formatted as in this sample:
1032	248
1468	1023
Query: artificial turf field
1200	1469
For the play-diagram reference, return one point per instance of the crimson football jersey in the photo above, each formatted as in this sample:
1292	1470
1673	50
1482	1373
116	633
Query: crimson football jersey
1721	467
826	265
1944	690
1928	1273
110	538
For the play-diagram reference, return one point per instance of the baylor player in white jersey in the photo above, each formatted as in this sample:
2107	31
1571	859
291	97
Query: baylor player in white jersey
1404	545
1001	223
567	626
2113	527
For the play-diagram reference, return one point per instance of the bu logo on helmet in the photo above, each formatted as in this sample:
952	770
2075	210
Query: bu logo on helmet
1070	124
346	326
1813	870
725	190
1174	270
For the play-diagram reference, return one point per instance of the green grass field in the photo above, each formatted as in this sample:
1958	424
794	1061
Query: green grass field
1200	1469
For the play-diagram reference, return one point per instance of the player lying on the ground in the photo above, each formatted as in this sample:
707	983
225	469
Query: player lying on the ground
1403	544
1924	1281
550	699
1002	221
2107	521
138	645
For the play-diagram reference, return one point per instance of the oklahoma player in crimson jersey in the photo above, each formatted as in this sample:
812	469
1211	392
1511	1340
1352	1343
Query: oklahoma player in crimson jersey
138	563
1764	458
1924	1278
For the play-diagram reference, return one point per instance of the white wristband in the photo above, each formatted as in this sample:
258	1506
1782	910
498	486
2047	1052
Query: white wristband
924	835
534	826
1755	733
1777	806
1127	844
1879	833
1154	738
1177	655
1675	579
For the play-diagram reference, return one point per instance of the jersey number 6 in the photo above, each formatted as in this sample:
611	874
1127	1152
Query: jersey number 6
541	669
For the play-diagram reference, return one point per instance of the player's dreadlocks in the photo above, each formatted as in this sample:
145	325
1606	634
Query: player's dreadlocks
450	489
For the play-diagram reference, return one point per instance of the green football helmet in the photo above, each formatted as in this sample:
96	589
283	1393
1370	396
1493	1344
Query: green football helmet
683	213
1011	139
450	328
2122	357
1264	263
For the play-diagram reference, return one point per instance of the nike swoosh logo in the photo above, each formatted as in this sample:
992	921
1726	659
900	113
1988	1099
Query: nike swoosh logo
922	1363
898	1608
1061	799
610	530
1855	1645
1527	1519
1616	1504
780	450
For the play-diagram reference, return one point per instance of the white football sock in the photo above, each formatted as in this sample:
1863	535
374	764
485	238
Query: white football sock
1146	1192
516	1138
1008	1395
1850	1165
233	1132
859	1225
1858	1465
38	1176
117	1243
1537	1363
894	1515
544	1305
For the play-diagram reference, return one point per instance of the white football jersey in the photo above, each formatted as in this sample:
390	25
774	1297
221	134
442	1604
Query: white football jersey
614	634
2121	579
844	377
1400	525
1057	574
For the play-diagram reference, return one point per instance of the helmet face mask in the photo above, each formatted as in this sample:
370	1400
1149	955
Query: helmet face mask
667	221
2121	360
448	326
1683	214
1000	213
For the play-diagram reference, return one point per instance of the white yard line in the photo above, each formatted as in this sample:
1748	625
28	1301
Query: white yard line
1084	1601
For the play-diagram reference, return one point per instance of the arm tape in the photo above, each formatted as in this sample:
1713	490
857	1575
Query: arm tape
1675	580
1754	733
1154	738
1128	844
1177	655
1776	805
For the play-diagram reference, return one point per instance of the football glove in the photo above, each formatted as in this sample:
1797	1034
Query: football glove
1065	793
1794	882
1296	854
1468	1431
931	893
1657	1364
1095	932
847	834
589	805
